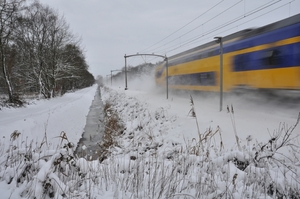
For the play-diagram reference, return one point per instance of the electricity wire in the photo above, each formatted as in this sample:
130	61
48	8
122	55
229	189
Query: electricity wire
183	26
198	26
233	21
228	23
192	40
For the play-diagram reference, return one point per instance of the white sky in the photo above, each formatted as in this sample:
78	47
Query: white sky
112	28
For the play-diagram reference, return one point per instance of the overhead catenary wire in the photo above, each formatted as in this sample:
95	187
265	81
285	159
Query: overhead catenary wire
174	47
216	29
226	24
264	6
214	6
195	27
211	31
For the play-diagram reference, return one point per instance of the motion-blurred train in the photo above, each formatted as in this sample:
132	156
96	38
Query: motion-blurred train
266	58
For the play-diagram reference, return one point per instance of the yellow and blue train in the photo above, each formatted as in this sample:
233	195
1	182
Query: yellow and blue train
266	58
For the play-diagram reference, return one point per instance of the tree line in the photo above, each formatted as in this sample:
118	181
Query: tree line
38	53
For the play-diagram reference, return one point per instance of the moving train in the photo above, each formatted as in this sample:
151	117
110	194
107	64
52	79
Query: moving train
265	58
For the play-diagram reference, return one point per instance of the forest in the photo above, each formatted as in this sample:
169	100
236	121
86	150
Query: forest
39	55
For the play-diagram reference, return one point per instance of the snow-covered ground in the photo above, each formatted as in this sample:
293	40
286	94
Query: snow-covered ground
67	113
159	155
257	116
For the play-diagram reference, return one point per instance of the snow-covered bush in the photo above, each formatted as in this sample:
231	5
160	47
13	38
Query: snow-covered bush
41	172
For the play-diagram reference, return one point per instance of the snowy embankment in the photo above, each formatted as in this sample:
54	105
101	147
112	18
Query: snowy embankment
165	149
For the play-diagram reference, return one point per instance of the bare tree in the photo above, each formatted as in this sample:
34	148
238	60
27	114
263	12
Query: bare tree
9	11
45	37
41	55
44	40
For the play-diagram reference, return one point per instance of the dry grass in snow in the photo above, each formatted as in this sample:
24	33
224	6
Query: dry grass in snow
143	160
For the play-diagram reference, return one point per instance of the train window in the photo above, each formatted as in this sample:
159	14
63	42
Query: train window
268	54
203	79
159	72
239	63
207	78
272	57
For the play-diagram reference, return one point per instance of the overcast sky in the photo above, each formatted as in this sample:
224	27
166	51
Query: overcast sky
112	28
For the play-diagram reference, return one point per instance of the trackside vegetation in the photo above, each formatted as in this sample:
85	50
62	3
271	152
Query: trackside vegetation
138	161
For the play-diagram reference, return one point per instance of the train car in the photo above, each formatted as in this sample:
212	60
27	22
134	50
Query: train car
266	58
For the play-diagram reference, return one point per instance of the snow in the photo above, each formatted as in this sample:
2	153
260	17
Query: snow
160	139
67	113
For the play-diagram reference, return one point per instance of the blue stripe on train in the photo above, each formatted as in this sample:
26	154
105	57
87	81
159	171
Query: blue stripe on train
277	57
265	38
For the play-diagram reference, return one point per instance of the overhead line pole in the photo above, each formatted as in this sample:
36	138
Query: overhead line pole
111	75
167	76
220	40
126	72
162	56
